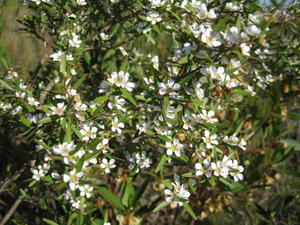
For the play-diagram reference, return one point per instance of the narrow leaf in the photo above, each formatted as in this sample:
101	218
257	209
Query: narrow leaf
128	96
110	197
161	163
189	209
5	85
79	82
292	143
160	206
50	222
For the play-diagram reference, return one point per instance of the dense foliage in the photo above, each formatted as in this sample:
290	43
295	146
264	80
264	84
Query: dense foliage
151	106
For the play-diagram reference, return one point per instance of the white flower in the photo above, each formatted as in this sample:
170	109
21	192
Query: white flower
59	109
142	161
208	116
203	13
75	41
232	6
38	174
86	190
155	61
220	169
174	147
188	48
116	126
123	51
64	149
40	171
81	2
107	165
32	101
206	167
144	126
79	106
253	30
242	144
188	122
57	56
199	169
179	192
245	49
103	145
153	17
104	36
212	39
88	132
199	91
72	178
233	140
120	79
170	87
103	87
170	112
40	1
218	73
116	101
237	173
157	3
209	140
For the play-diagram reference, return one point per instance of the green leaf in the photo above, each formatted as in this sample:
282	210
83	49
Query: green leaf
92	155
63	65
80	164
233	186
109	53
124	65
50	222
292	143
5	85
189	209
28	107
238	129
25	121
186	79
72	218
101	99
149	38
128	194
187	175
160	206
97	222
184	60
221	24
294	116
128	96
161	163
32	183
77	132
110	197
142	188
289	172
167	184
79	82
231	71
45	120
68	130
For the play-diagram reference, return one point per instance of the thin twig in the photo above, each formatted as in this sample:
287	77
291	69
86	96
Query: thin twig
12	210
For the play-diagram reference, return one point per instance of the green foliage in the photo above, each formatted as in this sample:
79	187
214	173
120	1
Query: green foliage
153	112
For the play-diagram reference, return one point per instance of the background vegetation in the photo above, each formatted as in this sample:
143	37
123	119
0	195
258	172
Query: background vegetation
272	198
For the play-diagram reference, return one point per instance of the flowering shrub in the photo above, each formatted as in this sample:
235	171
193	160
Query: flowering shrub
149	103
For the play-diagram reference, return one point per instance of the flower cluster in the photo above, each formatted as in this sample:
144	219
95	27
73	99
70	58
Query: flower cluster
109	112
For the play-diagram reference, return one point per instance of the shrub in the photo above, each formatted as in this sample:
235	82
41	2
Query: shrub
148	104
